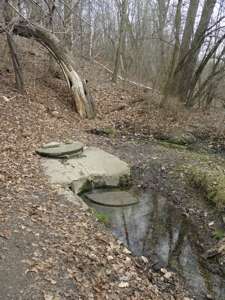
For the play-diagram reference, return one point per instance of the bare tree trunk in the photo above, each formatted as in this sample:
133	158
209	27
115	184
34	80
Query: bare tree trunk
81	98
20	6
189	66
121	39
91	41
185	68
177	27
51	10
177	38
200	69
81	29
188	29
186	39
16	63
69	7
162	11
91	30
12	48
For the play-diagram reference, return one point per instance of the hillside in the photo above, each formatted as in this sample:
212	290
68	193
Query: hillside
51	248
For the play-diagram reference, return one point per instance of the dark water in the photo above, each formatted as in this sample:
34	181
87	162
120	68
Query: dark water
157	229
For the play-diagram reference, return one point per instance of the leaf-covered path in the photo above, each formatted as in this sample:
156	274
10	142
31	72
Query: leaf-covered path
49	248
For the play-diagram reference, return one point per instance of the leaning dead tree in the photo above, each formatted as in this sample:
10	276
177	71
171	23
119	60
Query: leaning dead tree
82	99
12	48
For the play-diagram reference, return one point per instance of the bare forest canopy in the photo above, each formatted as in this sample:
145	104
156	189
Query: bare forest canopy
174	46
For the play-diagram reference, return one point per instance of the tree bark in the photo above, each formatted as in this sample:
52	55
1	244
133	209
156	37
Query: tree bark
189	28
16	63
162	12
177	27
92	31
198	40
186	39
183	74
69	9
198	72
82	99
8	14
121	39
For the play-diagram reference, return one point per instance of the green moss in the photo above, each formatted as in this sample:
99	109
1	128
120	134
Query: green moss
178	137
219	234
206	276
86	187
172	145
109	131
199	156
101	217
125	181
211	180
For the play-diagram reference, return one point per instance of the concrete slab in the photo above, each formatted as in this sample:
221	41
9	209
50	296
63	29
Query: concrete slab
94	168
71	197
112	198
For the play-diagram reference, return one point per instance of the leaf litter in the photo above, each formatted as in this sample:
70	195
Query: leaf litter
56	246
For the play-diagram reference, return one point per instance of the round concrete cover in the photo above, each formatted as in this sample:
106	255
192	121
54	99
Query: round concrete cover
56	150
112	198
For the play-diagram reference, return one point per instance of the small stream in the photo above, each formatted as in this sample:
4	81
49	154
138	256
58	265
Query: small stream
154	228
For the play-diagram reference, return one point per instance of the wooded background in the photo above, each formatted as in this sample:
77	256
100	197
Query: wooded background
174	46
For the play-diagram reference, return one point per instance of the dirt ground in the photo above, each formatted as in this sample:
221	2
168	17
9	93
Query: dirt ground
51	249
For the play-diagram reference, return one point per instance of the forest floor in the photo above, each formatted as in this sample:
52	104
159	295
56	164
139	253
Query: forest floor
51	249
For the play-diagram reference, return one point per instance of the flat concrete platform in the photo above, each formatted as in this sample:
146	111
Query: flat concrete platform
94	167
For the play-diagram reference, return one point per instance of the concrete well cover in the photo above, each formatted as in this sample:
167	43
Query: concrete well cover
112	198
57	150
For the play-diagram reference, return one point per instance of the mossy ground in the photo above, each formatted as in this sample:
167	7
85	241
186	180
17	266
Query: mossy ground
211	182
219	234
206	173
202	170
170	145
101	217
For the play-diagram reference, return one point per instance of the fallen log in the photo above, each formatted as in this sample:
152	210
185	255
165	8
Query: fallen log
82	99
140	85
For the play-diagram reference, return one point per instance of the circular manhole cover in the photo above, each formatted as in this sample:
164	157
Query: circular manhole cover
60	150
112	198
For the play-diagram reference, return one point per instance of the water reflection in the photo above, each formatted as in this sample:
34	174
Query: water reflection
157	229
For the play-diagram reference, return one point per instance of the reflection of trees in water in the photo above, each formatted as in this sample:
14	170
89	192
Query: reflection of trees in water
160	226
156	227
152	228
166	225
125	229
176	251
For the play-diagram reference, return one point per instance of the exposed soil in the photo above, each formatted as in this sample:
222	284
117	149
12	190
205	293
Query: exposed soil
53	249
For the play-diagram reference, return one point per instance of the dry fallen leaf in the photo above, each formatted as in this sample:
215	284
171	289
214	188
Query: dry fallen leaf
123	285
126	251
48	296
45	221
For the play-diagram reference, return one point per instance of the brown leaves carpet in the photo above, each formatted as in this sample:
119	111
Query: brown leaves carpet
51	249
